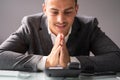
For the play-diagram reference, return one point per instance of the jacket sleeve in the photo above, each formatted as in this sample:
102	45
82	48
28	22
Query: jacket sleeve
13	51
107	54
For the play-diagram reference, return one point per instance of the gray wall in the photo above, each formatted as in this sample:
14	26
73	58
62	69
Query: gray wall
107	12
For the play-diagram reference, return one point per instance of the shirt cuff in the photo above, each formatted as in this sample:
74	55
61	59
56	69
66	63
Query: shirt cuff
41	64
74	59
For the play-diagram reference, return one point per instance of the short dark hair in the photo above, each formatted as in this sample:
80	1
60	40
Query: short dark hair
75	1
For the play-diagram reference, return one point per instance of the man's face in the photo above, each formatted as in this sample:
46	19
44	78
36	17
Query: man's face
60	15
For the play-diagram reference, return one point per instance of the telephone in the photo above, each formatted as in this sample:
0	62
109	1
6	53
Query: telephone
73	70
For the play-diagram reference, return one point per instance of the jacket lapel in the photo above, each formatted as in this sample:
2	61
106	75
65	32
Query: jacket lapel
45	38
73	39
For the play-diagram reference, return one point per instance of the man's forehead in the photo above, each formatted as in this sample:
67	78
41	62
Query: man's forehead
63	8
51	0
60	3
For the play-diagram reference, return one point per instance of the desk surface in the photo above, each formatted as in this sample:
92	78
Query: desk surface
18	75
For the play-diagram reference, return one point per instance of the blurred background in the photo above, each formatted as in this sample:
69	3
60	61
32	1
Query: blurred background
107	12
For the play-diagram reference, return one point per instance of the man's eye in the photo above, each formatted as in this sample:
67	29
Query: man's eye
54	13
67	13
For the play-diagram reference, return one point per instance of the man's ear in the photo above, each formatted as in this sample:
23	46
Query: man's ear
76	8
44	8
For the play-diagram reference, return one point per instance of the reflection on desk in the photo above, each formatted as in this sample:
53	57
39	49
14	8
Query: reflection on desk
18	75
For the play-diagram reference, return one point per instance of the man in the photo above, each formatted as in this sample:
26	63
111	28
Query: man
57	37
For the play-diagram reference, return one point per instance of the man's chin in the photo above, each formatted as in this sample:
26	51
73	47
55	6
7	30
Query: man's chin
60	32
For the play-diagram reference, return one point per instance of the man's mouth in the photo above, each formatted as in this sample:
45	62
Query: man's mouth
60	26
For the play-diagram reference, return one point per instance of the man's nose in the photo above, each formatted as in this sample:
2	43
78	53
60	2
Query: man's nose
61	18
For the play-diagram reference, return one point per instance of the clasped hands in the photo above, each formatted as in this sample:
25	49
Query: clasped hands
59	54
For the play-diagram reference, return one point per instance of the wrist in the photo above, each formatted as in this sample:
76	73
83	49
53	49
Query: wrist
47	64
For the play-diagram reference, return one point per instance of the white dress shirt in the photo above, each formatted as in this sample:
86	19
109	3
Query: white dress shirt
41	64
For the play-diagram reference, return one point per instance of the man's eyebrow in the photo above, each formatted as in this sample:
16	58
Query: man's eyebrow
70	8
54	9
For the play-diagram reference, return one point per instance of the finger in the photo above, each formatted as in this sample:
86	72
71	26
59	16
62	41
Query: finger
64	57
57	51
62	39
57	42
62	60
56	55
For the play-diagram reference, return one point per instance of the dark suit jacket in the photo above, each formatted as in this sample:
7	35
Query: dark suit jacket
25	47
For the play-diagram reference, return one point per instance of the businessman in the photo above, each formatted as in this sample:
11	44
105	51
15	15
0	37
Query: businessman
58	37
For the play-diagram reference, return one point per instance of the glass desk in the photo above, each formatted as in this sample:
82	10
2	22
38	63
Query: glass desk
18	75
